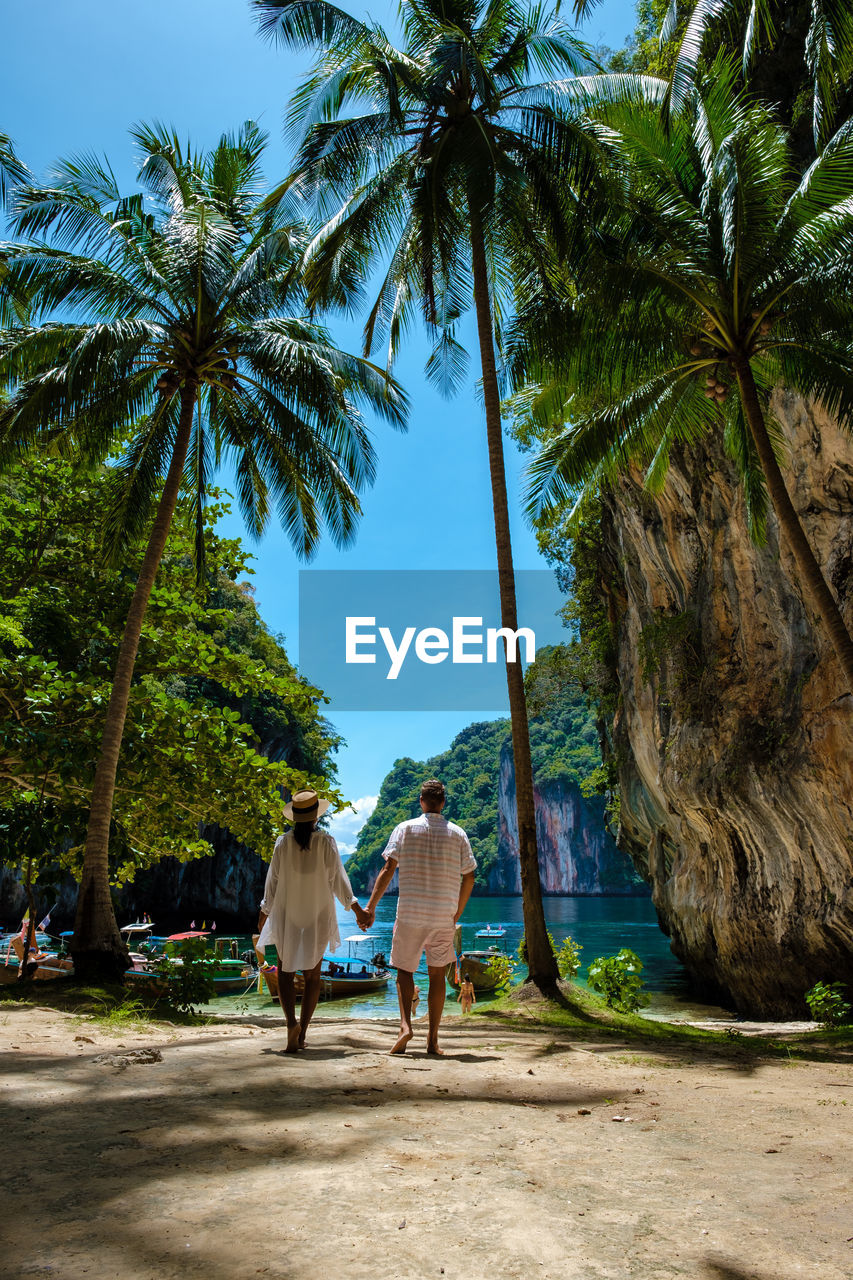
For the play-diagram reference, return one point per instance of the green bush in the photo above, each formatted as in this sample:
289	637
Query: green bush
569	958
189	970
618	979
827	1004
522	947
500	969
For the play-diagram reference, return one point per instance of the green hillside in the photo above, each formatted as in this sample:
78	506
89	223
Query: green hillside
563	744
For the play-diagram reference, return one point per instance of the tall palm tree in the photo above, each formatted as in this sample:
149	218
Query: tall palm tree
188	347
461	146
827	52
719	277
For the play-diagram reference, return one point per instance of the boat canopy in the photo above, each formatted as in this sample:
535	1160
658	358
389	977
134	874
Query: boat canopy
361	937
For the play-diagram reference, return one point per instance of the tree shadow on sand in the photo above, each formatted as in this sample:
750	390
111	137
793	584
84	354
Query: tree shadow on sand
717	1268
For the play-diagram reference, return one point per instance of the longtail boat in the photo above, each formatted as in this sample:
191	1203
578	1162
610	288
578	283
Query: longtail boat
340	977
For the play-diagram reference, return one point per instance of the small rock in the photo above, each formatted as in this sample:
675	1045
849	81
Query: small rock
85	1039
623	1119
584	1111
401	1225
130	1059
530	1071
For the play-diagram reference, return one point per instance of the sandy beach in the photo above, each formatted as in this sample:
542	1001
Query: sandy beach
206	1151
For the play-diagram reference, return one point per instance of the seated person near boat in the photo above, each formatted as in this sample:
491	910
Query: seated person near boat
436	869
297	913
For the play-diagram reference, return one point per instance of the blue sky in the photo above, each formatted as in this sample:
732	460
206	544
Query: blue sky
76	77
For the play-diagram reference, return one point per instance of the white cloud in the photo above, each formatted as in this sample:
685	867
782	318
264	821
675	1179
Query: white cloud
345	826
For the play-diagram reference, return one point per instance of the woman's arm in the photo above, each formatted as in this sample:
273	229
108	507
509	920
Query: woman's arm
270	886
338	878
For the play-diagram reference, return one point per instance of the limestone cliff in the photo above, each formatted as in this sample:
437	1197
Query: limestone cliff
225	887
734	736
577	855
576	852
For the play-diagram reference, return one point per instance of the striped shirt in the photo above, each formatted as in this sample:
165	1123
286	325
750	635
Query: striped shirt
432	855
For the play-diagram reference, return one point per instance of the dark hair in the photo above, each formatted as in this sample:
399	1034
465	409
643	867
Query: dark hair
302	833
433	793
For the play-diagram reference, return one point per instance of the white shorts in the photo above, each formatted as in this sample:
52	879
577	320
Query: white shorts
410	940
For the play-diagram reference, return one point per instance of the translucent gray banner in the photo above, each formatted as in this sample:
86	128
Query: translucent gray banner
419	640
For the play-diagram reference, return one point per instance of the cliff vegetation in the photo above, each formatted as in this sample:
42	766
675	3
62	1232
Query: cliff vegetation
477	771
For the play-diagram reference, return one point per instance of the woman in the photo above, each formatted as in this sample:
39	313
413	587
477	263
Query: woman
298	910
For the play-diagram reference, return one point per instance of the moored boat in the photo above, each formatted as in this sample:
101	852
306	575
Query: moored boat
478	965
340	977
233	977
43	966
496	931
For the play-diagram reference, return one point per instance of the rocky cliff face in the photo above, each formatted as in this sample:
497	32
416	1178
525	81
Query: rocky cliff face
576	853
226	887
734	733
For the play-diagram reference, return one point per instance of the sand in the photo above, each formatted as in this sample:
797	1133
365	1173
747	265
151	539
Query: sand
523	1153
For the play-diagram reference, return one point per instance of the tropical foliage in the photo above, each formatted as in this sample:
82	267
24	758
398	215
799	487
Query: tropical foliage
12	170
823	29
827	1004
717	277
619	979
564	747
213	694
188	346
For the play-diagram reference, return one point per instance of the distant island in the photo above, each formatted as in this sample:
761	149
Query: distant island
577	852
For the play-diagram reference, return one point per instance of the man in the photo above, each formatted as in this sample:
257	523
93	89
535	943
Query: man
436	869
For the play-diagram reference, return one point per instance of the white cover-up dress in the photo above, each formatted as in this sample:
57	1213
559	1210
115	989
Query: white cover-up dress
299	900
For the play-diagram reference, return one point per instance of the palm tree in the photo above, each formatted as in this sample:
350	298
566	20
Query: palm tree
188	347
460	150
828	49
719	277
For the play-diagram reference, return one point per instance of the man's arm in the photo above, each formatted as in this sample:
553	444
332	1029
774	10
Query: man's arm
464	894
386	875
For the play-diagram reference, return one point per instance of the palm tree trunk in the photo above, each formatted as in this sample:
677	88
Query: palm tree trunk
810	571
97	948
542	967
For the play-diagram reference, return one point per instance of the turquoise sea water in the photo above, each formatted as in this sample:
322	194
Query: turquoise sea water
600	925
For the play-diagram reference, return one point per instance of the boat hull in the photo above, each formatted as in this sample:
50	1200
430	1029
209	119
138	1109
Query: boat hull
47	971
477	968
339	987
156	984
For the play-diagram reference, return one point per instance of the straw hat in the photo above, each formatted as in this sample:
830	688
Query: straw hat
305	806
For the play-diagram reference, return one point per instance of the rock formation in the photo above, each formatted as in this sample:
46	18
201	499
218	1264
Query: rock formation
225	887
577	855
734	732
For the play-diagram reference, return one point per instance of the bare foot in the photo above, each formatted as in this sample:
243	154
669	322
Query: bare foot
434	1051
300	1043
292	1039
401	1042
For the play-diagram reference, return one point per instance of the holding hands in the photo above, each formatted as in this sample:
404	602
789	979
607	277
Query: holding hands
364	919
